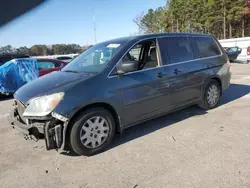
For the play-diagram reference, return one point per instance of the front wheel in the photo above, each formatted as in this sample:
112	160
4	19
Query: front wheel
211	96
92	131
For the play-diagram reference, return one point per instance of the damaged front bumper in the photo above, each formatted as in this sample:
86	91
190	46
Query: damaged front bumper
52	129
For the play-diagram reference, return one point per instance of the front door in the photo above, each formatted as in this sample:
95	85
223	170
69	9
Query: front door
144	92
143	95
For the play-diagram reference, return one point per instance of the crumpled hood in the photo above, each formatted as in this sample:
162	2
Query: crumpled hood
47	83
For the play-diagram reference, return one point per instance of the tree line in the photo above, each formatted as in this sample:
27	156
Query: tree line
43	50
221	18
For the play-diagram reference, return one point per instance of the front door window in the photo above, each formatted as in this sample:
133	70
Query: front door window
144	55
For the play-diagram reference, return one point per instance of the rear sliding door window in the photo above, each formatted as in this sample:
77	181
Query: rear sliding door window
204	47
175	50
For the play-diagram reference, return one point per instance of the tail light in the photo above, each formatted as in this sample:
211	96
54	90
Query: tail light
228	63
248	50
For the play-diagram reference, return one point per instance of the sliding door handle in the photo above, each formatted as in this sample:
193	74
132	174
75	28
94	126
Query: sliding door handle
177	71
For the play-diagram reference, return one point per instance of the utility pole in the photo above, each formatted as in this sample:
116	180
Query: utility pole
94	27
243	26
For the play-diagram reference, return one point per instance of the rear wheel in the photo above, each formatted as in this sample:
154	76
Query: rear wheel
211	95
92	131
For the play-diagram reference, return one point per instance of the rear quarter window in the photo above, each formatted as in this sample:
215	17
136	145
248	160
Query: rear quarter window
204	47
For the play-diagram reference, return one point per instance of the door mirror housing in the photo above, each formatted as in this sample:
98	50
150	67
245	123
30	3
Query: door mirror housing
126	66
106	54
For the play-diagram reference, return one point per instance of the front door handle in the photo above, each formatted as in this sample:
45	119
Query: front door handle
177	71
159	75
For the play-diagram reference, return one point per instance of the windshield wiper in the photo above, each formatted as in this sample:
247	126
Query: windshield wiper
74	71
91	73
81	72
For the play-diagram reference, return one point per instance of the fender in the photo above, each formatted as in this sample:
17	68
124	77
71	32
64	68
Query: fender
118	121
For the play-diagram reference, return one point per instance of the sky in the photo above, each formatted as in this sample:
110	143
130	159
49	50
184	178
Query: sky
71	21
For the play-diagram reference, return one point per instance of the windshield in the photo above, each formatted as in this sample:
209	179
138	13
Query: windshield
95	59
233	49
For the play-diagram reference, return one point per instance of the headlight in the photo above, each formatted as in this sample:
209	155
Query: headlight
42	106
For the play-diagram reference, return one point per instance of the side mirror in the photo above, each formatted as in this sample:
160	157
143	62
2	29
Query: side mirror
106	54
126	66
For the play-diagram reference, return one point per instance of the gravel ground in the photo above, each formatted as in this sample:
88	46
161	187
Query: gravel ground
189	148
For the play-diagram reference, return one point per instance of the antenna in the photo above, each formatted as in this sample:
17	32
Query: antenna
94	27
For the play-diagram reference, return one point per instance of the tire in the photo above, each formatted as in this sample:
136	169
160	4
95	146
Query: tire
82	128
206	103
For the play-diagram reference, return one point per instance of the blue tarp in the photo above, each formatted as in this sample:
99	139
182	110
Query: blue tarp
17	72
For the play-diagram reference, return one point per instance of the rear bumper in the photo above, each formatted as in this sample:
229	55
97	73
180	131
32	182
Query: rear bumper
226	81
225	76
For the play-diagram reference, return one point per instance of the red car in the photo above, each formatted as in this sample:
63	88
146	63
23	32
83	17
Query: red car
46	66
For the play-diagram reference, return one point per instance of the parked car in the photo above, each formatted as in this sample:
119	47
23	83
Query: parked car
242	44
248	54
233	52
16	73
46	66
12	72
83	105
7	57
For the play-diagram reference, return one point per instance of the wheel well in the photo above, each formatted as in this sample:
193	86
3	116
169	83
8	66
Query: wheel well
103	105
94	105
219	82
